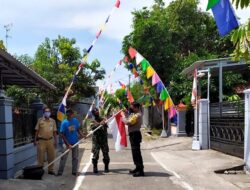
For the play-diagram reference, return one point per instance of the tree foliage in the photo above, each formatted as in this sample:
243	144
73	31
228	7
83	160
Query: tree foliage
2	45
57	60
171	38
241	36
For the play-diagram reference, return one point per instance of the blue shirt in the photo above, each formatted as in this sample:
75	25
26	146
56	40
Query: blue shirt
69	130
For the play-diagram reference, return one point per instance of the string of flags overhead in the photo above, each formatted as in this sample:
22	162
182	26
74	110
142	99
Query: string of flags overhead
62	106
156	81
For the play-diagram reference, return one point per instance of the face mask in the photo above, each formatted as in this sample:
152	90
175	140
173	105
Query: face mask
47	114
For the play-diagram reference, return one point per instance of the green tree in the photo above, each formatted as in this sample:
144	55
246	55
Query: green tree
25	59
2	45
168	37
241	36
57	60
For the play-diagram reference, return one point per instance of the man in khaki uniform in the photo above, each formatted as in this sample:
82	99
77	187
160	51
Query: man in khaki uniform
45	139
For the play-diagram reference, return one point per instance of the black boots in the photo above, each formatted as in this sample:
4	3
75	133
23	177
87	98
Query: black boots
106	169
95	169
138	173
132	171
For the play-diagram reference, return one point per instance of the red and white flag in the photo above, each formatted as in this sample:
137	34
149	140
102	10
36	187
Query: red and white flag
194	89
118	131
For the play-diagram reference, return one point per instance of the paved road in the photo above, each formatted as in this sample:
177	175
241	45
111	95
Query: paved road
155	178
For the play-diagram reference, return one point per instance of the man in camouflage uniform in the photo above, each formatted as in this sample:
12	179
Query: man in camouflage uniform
99	141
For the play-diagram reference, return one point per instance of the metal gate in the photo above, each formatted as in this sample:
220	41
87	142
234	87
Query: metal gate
227	127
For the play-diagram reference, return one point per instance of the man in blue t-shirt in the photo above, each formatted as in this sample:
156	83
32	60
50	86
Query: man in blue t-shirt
70	128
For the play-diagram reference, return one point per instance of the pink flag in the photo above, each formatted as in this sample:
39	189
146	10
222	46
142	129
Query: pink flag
132	52
98	34
118	131
117	4
171	112
155	79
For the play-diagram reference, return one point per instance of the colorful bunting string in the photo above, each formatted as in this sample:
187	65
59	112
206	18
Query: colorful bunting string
150	72
84	59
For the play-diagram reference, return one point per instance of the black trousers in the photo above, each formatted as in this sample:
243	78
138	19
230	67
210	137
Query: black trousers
135	141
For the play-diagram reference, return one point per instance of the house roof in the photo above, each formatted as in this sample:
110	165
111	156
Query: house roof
13	72
214	64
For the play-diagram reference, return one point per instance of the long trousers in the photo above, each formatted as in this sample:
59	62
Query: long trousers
75	153
46	146
96	150
135	141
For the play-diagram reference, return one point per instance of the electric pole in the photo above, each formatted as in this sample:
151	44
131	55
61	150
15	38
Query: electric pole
7	29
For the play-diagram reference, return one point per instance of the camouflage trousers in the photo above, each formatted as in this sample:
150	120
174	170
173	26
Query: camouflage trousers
96	150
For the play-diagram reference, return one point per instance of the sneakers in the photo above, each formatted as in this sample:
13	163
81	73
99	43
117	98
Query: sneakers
138	174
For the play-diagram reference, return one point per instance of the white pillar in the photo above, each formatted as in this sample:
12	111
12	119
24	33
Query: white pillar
203	124
247	131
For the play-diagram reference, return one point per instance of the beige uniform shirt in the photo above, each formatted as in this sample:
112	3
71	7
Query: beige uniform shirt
46	128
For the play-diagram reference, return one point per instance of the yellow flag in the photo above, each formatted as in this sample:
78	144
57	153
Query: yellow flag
85	58
154	103
168	103
150	72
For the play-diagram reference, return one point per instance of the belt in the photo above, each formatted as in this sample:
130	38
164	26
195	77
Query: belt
40	138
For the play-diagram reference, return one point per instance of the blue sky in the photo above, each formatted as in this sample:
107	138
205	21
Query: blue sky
34	20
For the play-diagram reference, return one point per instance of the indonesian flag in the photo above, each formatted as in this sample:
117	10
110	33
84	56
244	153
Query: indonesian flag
118	131
194	89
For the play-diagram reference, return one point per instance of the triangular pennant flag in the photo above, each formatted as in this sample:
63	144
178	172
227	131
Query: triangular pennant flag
131	66
153	103
172	112
211	3
107	19
130	97
144	64
132	52
164	95
136	74
168	103
125	59
155	79
150	72
159	87
98	33
138	58
90	48
133	70
117	4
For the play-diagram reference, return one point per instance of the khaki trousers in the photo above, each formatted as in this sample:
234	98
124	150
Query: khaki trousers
46	146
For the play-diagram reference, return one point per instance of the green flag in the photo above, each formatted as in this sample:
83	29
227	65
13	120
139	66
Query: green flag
164	94
211	3
144	64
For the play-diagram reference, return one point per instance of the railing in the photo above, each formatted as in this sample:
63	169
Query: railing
227	127
24	121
